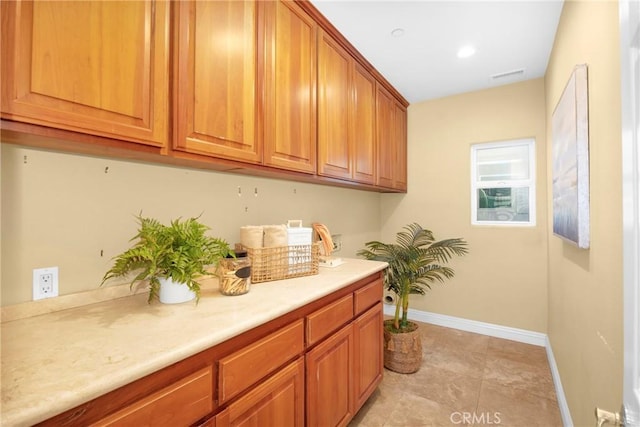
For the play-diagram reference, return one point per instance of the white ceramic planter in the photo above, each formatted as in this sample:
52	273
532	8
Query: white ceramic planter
174	293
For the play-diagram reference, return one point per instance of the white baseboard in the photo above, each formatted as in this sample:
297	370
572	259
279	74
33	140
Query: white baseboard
498	331
562	400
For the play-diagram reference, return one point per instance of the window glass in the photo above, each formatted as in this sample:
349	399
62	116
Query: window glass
503	204
503	183
503	163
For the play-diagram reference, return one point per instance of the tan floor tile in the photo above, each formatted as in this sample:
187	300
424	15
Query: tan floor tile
517	351
459	392
535	379
466	378
517	408
462	340
456	361
377	408
415	411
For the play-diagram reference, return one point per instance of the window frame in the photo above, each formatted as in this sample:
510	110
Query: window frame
518	183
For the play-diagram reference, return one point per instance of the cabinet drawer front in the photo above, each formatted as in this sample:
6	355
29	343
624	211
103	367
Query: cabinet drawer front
367	296
247	366
278	401
181	403
326	320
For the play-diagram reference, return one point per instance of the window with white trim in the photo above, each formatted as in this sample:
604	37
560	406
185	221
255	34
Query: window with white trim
503	183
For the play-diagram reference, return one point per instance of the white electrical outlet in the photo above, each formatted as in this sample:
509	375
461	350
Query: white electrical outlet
45	283
337	242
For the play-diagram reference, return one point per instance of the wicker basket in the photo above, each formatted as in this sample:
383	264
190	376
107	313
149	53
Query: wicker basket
283	262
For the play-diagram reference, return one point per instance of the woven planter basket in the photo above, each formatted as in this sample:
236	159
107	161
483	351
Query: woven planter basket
403	351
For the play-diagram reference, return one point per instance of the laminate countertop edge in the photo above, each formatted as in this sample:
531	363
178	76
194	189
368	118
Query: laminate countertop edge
56	361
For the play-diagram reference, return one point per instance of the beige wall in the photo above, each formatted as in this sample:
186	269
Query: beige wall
62	209
503	280
585	286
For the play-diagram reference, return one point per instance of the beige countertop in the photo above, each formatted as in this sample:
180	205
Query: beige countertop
56	361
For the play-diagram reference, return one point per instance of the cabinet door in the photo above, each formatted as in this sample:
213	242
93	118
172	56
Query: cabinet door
330	381
182	403
279	401
368	364
217	68
290	87
94	67
385	137
364	125
334	108
400	129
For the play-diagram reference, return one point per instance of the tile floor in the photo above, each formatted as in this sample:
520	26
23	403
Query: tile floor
466	379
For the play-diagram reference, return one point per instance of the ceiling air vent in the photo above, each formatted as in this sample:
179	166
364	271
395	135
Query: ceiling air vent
510	75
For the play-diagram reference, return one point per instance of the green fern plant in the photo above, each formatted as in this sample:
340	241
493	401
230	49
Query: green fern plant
415	261
180	251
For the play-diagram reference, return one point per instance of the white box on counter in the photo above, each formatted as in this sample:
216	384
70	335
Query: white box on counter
297	235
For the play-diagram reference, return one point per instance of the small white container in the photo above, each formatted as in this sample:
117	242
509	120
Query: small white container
298	235
173	292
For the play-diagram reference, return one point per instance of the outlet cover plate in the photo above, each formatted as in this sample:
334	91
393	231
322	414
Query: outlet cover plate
45	283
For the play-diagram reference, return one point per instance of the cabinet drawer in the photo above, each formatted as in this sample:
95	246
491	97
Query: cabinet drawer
181	403
247	366
367	296
326	320
278	401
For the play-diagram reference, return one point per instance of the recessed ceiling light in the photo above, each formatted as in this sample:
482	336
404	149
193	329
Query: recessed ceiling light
466	51
398	32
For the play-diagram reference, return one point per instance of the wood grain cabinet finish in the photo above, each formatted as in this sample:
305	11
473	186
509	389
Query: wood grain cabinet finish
246	367
346	114
290	87
266	376
217	79
182	403
367	296
368	353
330	376
279	401
335	153
391	141
364	126
385	137
400	129
328	319
99	68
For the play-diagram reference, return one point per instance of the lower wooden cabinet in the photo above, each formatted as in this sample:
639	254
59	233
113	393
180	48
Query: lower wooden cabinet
181	403
368	353
314	366
247	366
279	401
344	370
330	380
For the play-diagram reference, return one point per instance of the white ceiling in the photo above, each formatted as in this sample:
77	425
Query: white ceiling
508	35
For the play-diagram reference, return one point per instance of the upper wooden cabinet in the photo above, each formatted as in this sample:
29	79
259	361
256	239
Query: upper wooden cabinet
334	107
364	126
266	87
217	84
346	114
391	144
290	87
400	131
94	67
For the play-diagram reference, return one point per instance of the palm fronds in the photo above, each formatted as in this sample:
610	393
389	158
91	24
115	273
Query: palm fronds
415	261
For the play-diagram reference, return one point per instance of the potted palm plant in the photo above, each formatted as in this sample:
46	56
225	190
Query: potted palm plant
170	257
415	261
